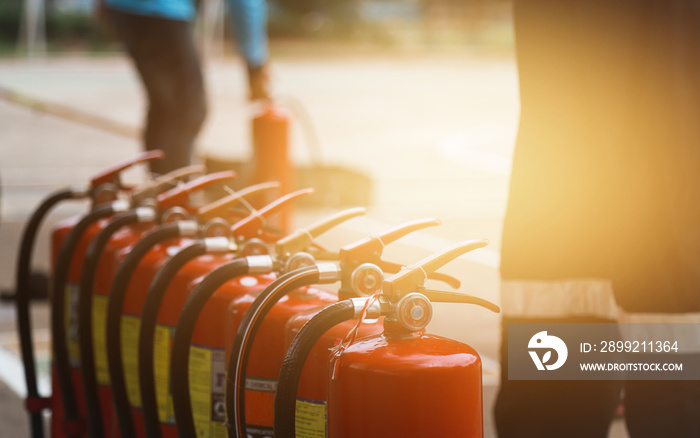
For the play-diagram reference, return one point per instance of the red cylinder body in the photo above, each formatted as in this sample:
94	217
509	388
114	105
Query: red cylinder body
272	158
132	309
312	394
125	237
207	354
406	384
58	236
268	351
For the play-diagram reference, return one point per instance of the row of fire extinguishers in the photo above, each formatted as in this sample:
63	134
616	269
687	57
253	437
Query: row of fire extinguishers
173	319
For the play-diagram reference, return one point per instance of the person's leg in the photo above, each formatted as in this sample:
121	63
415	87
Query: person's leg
167	62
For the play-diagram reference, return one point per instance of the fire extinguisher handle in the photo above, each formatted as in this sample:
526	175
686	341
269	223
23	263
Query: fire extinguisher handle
393	268
438	296
412	276
253	223
369	249
179	195
111	174
220	207
303	237
164	182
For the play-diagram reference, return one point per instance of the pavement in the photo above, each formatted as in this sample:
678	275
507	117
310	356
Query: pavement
433	133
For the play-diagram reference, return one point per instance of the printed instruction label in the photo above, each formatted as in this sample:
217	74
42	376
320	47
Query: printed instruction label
207	375
99	337
130	326
310	419
161	359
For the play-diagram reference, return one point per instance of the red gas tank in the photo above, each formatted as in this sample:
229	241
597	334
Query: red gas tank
406	384
312	394
207	360
268	351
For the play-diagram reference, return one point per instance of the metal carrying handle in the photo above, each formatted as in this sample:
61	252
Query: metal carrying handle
439	296
164	182
413	276
220	207
369	249
251	225
178	196
111	174
392	268
303	237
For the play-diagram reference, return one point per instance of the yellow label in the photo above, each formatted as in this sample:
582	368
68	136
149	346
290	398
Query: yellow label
207	384
99	337
71	319
200	389
161	353
310	419
130	327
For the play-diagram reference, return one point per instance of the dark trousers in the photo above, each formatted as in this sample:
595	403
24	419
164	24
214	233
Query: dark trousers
166	59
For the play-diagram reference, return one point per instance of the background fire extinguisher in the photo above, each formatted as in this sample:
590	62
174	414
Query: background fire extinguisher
35	404
164	301
205	312
70	242
97	274
403	382
275	299
137	265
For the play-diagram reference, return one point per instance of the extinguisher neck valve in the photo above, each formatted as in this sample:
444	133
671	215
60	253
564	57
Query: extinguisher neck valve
219	245
80	192
187	228
145	214
120	206
260	264
375	309
328	273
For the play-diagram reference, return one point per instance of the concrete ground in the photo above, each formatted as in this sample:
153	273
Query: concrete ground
434	133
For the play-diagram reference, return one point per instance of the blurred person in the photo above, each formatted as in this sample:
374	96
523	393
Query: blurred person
157	34
603	216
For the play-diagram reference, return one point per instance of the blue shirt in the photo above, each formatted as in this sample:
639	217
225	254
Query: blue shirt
248	18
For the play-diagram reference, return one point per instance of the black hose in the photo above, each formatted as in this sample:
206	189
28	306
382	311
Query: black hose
85	329
23	298
58	323
242	344
179	359
293	364
114	311
149	317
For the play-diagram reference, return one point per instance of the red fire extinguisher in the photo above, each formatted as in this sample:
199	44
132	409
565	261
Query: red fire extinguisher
251	363
362	275
136	268
72	237
403	382
35	404
96	275
165	299
201	319
271	158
